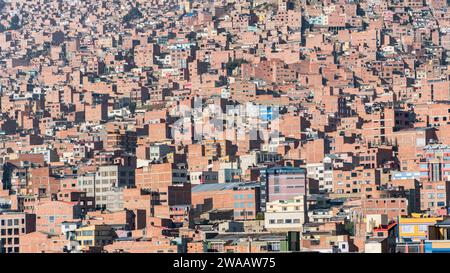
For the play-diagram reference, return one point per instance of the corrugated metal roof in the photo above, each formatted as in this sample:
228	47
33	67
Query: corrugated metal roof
286	169
222	186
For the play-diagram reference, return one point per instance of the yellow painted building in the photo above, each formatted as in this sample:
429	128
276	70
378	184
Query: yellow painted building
94	236
261	17
187	6
415	228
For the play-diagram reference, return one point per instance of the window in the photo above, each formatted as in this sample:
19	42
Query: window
87	233
423	228
407	229
275	246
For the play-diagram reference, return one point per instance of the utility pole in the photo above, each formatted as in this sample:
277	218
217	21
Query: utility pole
95	194
48	187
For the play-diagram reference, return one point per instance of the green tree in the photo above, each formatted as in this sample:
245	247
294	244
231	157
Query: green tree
350	228
260	216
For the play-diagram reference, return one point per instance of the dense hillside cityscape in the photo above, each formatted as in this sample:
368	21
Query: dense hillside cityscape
230	126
